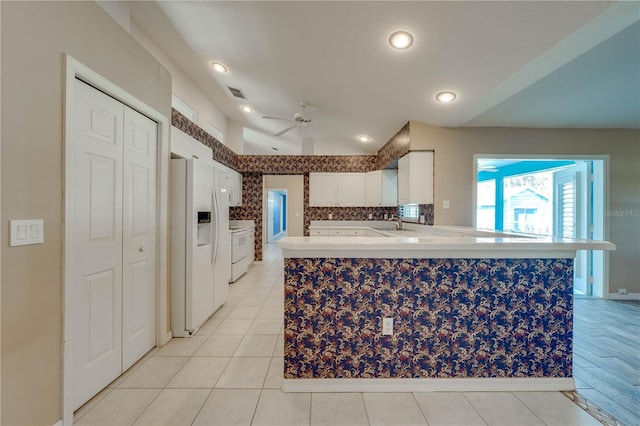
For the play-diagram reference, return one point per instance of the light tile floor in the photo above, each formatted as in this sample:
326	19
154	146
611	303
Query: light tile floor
230	373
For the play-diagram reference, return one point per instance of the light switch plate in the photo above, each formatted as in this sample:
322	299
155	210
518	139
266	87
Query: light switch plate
25	232
387	326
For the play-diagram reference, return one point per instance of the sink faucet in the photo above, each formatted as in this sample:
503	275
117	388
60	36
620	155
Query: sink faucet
398	223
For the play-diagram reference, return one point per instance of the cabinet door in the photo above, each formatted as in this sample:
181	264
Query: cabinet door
415	178
238	191
322	189
403	180
389	183
351	187
184	146
373	188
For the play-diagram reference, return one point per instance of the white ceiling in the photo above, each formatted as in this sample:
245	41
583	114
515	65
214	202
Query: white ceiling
519	63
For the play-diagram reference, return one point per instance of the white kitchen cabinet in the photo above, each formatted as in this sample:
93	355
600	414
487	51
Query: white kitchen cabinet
415	178
336	189
323	189
351	189
232	181
184	146
319	232
381	188
235	198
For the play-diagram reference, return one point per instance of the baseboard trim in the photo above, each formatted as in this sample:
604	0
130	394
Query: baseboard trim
168	336
58	423
628	296
481	384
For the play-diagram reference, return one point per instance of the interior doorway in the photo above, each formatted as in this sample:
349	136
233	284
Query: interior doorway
276	214
562	197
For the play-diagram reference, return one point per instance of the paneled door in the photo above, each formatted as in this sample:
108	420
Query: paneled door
113	245
138	227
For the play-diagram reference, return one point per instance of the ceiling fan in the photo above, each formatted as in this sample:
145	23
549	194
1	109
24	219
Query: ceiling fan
299	119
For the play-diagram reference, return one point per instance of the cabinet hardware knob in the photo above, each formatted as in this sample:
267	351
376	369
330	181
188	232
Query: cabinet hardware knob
141	249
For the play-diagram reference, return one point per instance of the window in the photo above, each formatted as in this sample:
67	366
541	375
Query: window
409	212
486	204
524	220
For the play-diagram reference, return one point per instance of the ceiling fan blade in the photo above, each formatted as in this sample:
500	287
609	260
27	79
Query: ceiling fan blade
285	130
277	118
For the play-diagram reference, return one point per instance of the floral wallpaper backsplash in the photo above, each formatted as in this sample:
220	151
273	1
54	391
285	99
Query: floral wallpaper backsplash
452	318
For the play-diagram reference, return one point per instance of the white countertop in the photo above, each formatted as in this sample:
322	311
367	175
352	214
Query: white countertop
434	242
241	225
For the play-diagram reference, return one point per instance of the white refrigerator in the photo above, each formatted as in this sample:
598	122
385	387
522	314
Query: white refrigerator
198	211
222	255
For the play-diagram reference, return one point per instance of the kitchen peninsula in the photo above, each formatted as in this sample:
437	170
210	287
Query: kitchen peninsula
463	310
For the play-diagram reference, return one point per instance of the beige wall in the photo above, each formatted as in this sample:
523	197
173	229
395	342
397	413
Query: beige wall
455	148
35	37
294	184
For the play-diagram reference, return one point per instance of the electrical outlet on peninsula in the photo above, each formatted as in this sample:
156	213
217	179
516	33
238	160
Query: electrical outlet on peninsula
387	326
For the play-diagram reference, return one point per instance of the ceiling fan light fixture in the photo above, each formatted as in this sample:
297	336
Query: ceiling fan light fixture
445	97
247	108
364	138
221	68
401	40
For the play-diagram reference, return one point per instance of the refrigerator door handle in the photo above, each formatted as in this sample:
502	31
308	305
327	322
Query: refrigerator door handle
214	228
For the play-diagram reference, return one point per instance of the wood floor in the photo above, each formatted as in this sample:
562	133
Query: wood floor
606	363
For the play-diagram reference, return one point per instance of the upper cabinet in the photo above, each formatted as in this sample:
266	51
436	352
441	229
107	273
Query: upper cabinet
381	188
351	188
236	189
323	189
336	189
232	181
184	146
415	178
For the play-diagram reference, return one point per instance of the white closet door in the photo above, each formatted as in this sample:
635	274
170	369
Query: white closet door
96	220
139	228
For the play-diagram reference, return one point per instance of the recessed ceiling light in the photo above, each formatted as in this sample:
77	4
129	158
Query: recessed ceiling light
247	108
219	67
364	138
445	97
401	40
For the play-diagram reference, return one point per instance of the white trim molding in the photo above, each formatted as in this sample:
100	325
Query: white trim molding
628	296
480	384
73	70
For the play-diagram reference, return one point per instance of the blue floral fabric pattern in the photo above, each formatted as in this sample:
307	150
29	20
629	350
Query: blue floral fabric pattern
452	318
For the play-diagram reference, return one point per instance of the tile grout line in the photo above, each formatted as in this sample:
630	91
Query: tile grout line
366	410
464	395
528	408
424	416
202	406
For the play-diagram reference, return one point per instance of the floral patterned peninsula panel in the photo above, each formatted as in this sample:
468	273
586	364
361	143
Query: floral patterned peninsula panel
452	318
